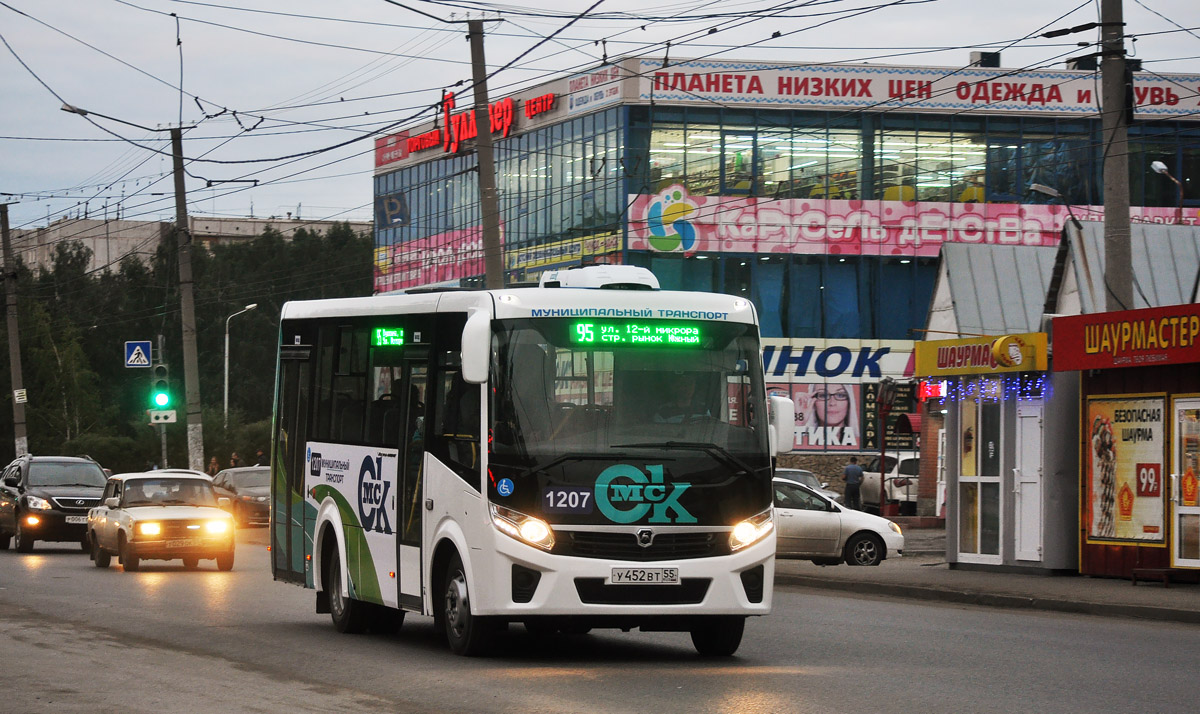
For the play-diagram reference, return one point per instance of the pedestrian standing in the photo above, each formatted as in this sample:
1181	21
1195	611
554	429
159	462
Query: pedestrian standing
235	461
260	458
853	476
213	467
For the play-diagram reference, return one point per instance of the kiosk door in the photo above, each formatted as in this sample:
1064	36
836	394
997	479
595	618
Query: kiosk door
1027	483
1185	496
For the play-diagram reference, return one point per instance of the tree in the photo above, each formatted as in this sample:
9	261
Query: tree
74	324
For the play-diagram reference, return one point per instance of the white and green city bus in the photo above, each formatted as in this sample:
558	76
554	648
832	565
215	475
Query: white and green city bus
592	452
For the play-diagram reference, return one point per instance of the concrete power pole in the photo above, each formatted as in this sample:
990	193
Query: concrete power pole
1118	281
489	203
191	376
14	338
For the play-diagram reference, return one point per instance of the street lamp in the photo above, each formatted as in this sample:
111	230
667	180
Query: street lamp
71	109
1161	168
884	399
1082	246
248	308
1053	193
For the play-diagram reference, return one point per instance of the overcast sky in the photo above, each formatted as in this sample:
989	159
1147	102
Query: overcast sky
299	84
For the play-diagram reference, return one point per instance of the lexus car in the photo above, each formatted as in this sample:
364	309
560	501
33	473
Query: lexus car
47	498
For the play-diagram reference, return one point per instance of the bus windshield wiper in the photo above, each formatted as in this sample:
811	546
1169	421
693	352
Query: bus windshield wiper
719	453
568	457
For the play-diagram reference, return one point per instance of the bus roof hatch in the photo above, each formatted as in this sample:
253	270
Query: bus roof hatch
609	277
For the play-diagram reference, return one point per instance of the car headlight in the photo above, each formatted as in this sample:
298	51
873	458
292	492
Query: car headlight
149	529
751	530
895	527
246	498
527	529
38	504
216	526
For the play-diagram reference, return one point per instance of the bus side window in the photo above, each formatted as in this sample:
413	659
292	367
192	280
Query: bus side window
456	430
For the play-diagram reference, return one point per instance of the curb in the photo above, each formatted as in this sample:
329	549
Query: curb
1019	602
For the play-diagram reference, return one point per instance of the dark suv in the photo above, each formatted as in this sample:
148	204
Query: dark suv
48	498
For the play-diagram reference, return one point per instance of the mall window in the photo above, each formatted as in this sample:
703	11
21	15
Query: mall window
916	163
811	296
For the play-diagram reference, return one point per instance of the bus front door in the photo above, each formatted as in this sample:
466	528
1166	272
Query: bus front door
412	456
287	467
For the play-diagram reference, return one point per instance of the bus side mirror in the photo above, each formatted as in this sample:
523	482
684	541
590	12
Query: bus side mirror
783	425
476	347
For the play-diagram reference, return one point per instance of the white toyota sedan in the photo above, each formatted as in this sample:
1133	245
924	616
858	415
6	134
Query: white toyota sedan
160	516
812	527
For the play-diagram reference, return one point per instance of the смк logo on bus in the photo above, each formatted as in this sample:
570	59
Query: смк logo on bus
625	495
372	495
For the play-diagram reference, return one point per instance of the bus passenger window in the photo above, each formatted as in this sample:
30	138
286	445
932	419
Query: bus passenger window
456	430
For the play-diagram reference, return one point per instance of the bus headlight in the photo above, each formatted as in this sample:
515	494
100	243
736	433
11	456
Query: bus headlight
751	530
526	529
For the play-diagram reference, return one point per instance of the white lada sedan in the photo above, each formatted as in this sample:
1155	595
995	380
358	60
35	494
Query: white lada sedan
160	516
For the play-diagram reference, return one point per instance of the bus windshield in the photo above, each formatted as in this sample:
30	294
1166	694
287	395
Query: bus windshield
572	394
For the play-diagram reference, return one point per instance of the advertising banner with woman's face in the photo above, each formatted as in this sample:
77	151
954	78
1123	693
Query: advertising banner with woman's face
1126	449
827	416
833	385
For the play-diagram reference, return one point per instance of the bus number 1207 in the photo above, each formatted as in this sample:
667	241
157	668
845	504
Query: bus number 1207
567	500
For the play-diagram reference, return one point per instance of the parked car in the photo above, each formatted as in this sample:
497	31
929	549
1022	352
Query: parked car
160	516
249	491
47	498
903	472
808	478
809	526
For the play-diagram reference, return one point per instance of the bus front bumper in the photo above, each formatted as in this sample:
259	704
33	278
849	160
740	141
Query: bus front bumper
525	581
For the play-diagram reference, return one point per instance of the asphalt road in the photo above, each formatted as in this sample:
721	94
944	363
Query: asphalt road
74	638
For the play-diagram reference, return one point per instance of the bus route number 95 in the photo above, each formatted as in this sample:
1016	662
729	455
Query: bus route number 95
567	499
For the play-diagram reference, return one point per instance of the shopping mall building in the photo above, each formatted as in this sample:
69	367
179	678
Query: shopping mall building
823	193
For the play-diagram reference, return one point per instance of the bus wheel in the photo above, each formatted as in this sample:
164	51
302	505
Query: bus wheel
347	613
467	634
718	636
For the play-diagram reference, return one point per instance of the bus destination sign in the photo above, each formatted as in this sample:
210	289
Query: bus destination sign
387	337
639	334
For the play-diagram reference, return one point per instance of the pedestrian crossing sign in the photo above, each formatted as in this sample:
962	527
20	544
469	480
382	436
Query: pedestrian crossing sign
137	353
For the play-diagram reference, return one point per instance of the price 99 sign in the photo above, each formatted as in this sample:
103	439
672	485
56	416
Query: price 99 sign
1149	480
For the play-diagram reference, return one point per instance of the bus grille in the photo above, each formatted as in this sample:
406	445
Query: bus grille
690	591
624	546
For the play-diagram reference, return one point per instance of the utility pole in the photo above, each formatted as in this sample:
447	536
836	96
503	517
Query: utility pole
162	428
14	338
191	377
1118	281
489	204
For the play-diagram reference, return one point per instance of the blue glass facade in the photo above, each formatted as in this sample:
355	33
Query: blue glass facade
578	178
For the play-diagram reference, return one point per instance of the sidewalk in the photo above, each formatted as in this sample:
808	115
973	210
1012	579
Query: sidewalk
922	573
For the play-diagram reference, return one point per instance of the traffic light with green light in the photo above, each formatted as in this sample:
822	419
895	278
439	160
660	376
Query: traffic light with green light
160	387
